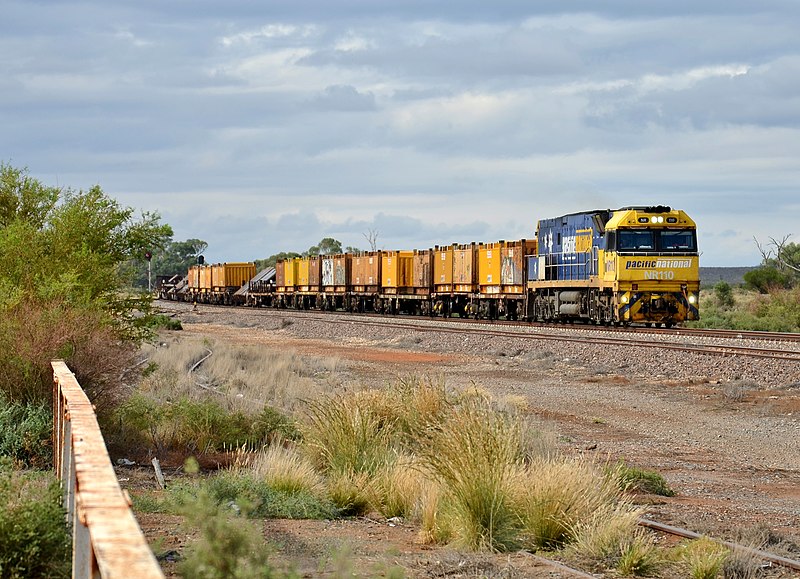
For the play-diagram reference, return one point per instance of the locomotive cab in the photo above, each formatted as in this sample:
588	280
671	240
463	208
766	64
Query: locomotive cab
651	263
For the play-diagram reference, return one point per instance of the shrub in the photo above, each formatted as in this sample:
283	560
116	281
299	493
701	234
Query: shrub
34	541
163	322
61	253
26	433
272	424
228	546
193	426
766	279
724	294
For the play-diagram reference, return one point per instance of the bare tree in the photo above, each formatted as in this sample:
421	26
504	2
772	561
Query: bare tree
372	238
781	253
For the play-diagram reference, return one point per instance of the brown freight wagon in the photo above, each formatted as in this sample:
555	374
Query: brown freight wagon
366	272
315	273
365	277
421	278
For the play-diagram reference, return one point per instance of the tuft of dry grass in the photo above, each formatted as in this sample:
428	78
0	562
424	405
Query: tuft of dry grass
434	526
554	497
397	488
352	433
610	538
473	455
284	468
704	558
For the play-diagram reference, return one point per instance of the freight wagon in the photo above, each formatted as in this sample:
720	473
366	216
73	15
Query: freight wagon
216	283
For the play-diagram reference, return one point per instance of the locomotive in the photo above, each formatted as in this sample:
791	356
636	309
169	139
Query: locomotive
634	265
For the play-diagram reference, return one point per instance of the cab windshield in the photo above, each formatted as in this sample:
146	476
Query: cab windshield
655	240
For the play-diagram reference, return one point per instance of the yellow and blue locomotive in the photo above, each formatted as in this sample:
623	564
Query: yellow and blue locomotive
631	265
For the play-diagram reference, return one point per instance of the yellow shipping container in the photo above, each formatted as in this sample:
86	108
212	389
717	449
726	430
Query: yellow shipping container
396	270
303	273
290	272
500	266
234	275
489	262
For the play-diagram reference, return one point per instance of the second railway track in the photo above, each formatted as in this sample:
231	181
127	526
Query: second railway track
726	343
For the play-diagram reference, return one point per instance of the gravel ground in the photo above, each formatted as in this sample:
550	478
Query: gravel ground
724	431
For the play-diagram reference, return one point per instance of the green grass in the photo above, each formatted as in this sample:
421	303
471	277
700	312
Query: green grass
241	492
26	431
641	480
34	541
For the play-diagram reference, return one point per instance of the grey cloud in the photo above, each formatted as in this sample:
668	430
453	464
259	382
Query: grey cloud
343	98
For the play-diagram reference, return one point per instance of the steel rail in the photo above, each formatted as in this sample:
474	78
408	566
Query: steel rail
556	333
106	539
669	529
757	335
720	350
559	566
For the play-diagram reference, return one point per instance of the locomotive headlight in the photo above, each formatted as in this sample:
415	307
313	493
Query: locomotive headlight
692	299
624	299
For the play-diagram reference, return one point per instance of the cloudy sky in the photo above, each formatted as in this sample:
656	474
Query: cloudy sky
264	126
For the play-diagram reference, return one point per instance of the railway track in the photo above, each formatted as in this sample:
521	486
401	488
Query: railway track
653	338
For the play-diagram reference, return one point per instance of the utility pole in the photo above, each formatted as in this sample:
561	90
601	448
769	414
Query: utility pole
148	256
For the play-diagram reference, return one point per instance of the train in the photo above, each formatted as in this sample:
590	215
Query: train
634	265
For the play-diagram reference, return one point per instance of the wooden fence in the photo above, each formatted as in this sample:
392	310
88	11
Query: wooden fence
106	539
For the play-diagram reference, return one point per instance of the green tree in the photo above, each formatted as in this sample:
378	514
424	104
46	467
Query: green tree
766	278
724	294
326	246
780	266
62	284
270	261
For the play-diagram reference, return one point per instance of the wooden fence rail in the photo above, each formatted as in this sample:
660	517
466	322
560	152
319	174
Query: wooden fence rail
106	539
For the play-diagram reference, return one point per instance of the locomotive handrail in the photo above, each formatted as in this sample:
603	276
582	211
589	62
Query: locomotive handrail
106	539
